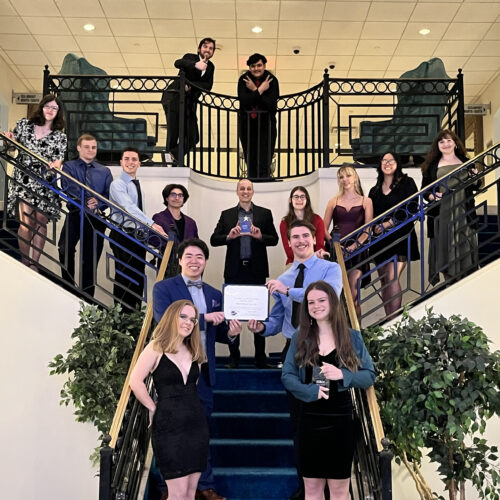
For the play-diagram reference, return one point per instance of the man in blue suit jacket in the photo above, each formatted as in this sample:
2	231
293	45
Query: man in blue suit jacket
193	256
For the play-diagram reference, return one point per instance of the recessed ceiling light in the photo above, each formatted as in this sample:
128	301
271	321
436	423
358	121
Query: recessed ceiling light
89	27
424	31
257	29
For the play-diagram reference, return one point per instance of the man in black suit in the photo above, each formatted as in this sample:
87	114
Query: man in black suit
247	230
199	70
258	92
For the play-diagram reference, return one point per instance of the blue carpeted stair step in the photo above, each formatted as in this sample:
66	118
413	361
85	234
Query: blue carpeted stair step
256	482
249	379
250	425
252	452
488	239
237	401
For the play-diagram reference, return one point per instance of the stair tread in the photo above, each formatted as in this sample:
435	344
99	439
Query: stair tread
252	442
256	471
249	391
244	414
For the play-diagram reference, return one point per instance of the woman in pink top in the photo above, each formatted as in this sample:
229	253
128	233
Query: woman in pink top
299	207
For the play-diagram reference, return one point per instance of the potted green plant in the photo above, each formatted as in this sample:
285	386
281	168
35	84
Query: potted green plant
97	362
438	384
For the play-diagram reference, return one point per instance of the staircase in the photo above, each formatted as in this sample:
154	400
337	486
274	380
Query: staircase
252	449
488	239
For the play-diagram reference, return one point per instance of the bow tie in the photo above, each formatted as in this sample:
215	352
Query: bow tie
197	284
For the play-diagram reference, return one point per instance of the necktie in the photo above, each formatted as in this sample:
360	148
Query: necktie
88	181
299	283
139	193
197	283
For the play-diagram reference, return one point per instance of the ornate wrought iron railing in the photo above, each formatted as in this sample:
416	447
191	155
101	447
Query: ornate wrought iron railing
465	222
97	229
336	119
372	455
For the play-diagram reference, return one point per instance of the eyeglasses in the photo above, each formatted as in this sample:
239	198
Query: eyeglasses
299	197
176	195
388	162
53	108
185	317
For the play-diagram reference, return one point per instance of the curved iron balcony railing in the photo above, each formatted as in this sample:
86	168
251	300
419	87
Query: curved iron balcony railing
334	121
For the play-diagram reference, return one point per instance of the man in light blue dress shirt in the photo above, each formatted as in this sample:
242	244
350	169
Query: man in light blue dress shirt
130	257
283	289
306	268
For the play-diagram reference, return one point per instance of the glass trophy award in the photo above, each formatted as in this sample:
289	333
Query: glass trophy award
319	378
245	224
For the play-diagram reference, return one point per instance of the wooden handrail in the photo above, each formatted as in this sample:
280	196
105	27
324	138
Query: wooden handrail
370	392
146	325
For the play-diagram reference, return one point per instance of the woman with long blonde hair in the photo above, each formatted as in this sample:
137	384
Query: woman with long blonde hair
348	211
179	426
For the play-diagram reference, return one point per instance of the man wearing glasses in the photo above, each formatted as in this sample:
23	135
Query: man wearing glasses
193	255
177	225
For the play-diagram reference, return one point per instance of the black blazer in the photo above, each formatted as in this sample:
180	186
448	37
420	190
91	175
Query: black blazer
186	64
263	219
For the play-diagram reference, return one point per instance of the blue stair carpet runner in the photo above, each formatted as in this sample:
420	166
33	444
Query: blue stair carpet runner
250	435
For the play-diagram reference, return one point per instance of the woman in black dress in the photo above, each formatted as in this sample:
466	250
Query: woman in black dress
324	444
180	431
391	253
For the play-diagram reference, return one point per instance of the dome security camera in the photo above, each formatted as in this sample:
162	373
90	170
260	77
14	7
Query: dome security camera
331	65
296	50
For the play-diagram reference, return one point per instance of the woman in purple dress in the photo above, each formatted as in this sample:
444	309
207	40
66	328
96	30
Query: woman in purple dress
349	210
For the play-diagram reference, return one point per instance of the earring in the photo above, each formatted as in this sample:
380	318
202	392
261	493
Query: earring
311	321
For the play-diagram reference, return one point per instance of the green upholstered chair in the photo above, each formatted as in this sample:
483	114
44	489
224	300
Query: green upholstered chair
87	111
417	118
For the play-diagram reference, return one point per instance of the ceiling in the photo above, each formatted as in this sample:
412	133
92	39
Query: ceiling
367	39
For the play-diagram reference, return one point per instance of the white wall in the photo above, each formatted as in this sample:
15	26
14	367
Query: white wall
475	297
491	122
45	453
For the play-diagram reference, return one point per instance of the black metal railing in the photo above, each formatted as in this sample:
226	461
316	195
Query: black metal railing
337	119
124	452
372	477
107	227
469	215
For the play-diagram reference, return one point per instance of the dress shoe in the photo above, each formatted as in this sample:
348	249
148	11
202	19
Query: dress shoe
232	364
209	494
263	365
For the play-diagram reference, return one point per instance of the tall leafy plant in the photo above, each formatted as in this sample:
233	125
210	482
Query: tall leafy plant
438	384
97	362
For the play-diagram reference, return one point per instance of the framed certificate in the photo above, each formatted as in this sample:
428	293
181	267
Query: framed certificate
246	302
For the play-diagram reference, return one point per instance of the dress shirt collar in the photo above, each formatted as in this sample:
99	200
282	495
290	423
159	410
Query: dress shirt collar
85	164
127	177
308	263
186	279
247	211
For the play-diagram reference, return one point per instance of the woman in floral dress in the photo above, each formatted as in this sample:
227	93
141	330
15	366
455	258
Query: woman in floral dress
36	204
